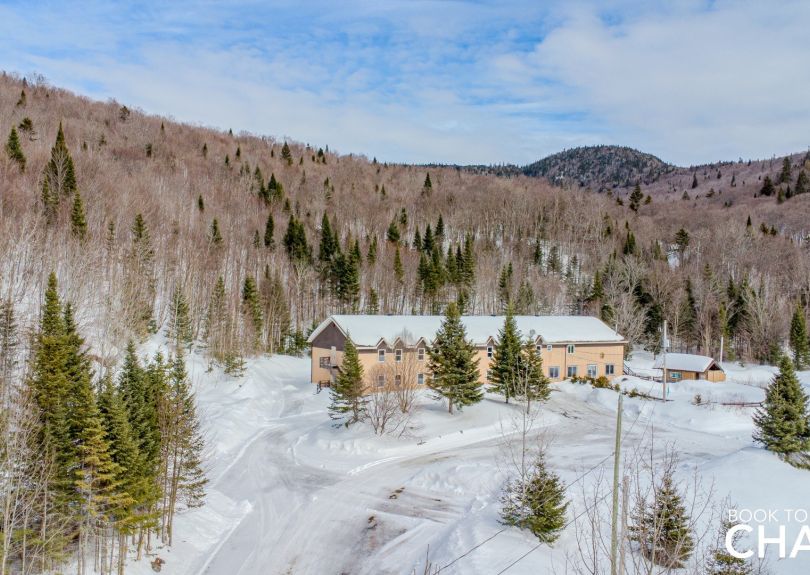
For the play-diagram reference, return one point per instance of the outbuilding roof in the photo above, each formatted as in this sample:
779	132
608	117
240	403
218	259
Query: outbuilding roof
370	330
686	362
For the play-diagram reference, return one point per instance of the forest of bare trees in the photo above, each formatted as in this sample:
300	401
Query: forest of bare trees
240	244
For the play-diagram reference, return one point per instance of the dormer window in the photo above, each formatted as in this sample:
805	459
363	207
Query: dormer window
420	354
490	351
398	355
381	355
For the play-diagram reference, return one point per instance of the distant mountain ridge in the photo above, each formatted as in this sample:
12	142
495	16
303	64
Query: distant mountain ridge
600	167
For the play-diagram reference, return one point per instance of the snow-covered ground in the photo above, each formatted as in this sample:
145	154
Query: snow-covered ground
291	494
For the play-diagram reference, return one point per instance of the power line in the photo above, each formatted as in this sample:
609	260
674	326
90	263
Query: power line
579	478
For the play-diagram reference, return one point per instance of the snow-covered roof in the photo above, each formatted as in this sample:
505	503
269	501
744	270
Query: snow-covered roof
685	362
369	330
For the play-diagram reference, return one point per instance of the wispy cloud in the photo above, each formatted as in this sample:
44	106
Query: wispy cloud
443	81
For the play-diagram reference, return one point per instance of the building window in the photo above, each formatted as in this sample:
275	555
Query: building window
420	379
380	381
571	348
538	347
591	370
398	355
325	362
380	355
420	354
490	351
609	369
554	372
572	371
549	347
397	380
674	375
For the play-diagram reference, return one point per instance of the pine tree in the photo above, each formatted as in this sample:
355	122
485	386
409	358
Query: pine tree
636	197
78	223
286	155
798	339
694	181
348	402
269	227
14	149
371	254
453	363
200	203
505	286
440	228
768	189
180	329
661	527
215	236
427	187
329	241
536	502
785	175
681	242
60	170
533	384
505	369
720	561
252	309
392	235
50	202
295	242
399	270
783	422
801	183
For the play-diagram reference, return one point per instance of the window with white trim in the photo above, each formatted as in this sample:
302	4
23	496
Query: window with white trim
398	355
610	369
381	355
538	347
572	371
325	362
380	380
397	380
420	354
592	370
571	348
420	379
490	351
549	347
554	372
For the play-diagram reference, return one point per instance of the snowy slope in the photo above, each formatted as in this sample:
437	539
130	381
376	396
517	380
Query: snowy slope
291	494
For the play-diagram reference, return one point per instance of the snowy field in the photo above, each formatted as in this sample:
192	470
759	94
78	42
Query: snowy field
291	494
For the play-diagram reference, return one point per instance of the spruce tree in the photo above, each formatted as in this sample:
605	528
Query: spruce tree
661	526
768	189
286	154
252	310
392	235
399	270
798	339
14	149
536	502
533	384
453	363
180	329
78	223
720	561
636	197
60	170
802	185
785	175
348	402
505	369
694	181
215	236
269	228
783	422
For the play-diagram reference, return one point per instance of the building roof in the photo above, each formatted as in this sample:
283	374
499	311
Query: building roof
369	330
685	362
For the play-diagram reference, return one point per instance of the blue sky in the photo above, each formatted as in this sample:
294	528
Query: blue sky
442	81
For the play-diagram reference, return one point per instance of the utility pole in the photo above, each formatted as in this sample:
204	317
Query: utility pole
625	500
664	346
721	349
614	524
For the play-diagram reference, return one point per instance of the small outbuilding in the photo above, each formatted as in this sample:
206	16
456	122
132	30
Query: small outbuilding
682	366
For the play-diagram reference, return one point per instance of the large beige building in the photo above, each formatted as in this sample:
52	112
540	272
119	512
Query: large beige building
393	348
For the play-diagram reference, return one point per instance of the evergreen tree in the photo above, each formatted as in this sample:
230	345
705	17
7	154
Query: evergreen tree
681	242
215	236
785	175
329	241
200	203
721	562
661	527
371	255
768	189
180	329
392	235
536	502
440	228
427	187
533	384
801	183
50	202
428	242
14	149
372	302
252	309
60	170
417	239
78	223
688	325
269	227
286	155
295	242
348	402
636	197
783	422
505	286
629	248
453	363
798	339
506	369
694	181
399	270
